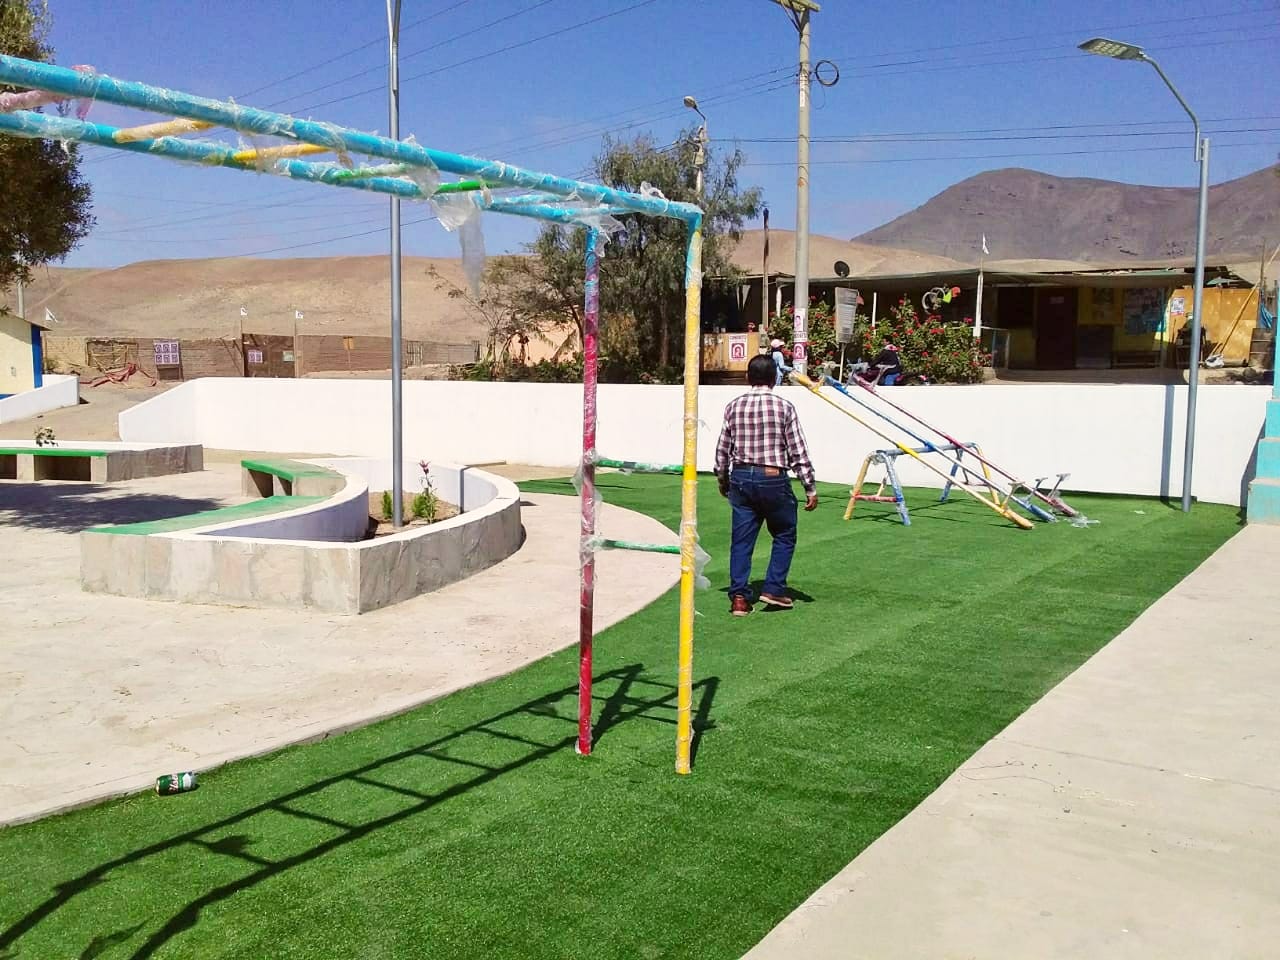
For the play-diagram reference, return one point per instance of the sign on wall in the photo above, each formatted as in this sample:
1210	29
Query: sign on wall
167	353
255	356
846	308
739	344
1144	310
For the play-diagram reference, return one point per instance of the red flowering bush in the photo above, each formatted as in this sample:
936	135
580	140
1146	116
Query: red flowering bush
945	353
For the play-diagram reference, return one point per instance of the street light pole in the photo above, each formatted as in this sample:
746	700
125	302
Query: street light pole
800	10
397	346
1119	50
700	159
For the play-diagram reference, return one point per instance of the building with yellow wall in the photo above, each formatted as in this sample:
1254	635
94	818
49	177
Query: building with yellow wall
21	355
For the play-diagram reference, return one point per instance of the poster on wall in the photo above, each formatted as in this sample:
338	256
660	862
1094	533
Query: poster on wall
738	345
166	353
1178	307
255	356
1144	310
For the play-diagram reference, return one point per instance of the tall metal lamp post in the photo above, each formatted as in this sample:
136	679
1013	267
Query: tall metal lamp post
1118	50
700	161
397	346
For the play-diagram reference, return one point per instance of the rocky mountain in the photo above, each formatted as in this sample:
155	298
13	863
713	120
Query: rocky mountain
1027	215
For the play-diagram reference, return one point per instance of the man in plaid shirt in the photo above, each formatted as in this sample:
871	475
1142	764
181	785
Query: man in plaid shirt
760	440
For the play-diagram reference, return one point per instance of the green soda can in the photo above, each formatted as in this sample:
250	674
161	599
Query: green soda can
175	783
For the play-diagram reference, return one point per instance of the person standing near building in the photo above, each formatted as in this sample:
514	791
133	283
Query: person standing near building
760	440
781	367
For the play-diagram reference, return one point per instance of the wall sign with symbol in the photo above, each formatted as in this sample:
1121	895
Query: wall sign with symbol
166	353
255	356
738	346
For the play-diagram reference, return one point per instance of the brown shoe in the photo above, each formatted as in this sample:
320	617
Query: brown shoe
741	607
782	603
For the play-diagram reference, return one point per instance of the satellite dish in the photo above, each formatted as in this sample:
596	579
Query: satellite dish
842	268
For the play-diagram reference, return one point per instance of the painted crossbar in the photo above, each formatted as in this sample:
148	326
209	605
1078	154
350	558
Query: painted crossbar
126	93
635	466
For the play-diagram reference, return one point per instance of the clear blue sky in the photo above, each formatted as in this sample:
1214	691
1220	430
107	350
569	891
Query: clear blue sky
939	76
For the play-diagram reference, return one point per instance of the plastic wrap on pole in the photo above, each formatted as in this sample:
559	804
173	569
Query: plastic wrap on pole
460	212
15	71
689	496
700	560
637	466
589	493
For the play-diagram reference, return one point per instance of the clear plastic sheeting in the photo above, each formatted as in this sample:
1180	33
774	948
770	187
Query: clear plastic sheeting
1082	521
460	213
700	560
648	190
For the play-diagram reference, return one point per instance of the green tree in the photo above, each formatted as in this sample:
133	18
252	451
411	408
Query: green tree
642	272
44	200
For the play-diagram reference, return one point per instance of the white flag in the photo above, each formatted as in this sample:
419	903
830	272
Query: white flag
297	314
49	317
244	312
985	251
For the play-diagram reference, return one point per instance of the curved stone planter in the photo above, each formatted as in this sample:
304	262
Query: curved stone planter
297	557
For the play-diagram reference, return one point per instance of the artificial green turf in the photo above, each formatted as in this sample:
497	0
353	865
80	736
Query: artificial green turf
469	827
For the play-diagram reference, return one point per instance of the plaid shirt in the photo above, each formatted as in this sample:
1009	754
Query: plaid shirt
762	429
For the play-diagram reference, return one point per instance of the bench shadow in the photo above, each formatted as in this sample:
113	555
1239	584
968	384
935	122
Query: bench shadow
544	726
70	508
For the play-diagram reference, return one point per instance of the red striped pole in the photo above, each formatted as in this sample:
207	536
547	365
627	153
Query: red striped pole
586	552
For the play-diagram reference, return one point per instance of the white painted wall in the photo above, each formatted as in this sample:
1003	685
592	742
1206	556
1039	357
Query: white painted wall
1111	438
59	390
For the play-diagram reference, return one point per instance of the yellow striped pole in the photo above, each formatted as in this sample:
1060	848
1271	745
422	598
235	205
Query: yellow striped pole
166	128
272	153
689	493
989	502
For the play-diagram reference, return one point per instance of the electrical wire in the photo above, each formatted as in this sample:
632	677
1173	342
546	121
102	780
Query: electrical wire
1000	156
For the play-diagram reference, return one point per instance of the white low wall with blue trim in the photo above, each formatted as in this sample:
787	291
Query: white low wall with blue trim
58	390
1111	438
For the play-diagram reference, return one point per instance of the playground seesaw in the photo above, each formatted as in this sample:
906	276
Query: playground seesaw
1051	499
990	502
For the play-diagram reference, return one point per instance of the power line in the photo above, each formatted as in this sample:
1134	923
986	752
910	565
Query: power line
329	61
1007	137
484	56
999	156
453	38
316	243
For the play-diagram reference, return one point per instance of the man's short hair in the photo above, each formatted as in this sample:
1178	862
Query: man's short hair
761	371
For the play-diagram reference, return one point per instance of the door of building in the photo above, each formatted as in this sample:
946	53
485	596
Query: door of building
1056	329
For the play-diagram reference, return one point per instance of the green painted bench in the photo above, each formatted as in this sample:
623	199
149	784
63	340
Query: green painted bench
48	463
241	511
266	477
98	465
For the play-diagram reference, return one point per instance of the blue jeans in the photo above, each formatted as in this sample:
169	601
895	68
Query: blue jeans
758	500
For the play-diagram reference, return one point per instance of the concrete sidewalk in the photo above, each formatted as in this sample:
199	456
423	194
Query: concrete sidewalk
1134	812
100	694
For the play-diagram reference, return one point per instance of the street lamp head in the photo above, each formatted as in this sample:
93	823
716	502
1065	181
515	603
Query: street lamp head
692	104
1115	49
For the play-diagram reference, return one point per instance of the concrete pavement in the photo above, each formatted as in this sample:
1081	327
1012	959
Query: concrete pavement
1134	812
100	694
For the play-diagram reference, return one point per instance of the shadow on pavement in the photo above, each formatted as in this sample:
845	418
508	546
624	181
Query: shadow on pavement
72	507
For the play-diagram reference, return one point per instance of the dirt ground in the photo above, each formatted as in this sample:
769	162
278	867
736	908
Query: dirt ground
93	419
